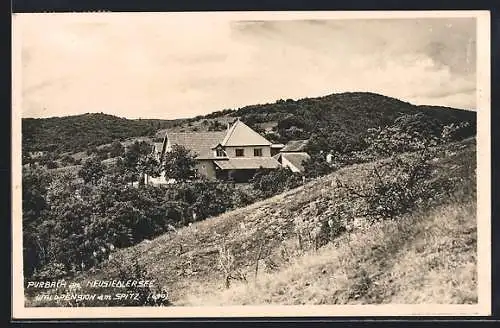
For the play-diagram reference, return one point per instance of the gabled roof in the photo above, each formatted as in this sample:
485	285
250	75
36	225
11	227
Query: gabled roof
200	143
241	134
248	163
297	159
295	146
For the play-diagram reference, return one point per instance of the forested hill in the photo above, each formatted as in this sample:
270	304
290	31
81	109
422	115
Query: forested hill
79	132
345	116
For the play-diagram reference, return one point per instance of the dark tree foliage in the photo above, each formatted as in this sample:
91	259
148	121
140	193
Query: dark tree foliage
197	200
334	142
348	114
26	157
179	164
133	164
216	126
35	185
149	166
116	149
78	133
351	113
219	113
92	150
92	170
409	132
50	164
403	181
68	160
317	166
273	137
271	182
69	226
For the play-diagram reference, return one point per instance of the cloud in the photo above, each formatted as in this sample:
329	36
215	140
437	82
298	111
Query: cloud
151	66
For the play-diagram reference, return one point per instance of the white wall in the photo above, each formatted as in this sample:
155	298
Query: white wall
248	151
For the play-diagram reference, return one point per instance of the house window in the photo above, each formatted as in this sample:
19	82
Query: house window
240	152
220	153
257	152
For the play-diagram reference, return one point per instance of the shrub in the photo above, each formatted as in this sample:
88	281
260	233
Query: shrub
273	181
226	263
116	149
397	186
456	131
51	165
199	200
92	150
36	183
216	126
91	171
51	271
409	132
241	197
69	160
149	166
317	166
321	222
402	182
179	164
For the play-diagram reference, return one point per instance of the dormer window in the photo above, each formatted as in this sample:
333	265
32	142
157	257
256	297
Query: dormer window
219	151
257	152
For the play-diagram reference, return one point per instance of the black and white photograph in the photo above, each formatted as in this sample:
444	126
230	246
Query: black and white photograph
251	164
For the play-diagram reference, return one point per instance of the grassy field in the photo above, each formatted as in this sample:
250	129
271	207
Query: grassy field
428	256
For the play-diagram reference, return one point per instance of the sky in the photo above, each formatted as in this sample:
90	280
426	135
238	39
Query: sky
176	66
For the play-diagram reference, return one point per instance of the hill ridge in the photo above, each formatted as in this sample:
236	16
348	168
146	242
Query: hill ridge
350	113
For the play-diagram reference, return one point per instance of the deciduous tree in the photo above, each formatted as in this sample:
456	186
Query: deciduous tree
179	164
91	171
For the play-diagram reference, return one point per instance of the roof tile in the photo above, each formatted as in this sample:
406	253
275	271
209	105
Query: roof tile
200	143
297	159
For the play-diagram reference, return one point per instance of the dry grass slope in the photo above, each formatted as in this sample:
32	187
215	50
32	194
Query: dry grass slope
424	257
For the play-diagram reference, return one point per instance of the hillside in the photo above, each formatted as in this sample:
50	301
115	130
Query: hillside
428	256
346	115
425	258
80	132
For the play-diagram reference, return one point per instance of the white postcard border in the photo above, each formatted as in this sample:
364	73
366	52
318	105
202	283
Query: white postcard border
483	175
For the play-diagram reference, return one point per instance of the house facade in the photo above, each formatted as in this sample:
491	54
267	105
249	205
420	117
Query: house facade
235	154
